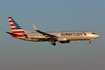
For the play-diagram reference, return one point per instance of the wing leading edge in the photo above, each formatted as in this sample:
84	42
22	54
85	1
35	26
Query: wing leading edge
45	34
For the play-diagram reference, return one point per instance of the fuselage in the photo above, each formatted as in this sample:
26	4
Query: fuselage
70	35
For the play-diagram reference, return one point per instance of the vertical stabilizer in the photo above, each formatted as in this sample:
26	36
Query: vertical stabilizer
16	29
15	26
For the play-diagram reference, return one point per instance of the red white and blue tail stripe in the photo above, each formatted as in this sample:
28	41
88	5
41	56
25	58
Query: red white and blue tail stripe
16	29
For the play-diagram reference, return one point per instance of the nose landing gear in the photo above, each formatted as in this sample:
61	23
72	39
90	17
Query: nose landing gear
89	42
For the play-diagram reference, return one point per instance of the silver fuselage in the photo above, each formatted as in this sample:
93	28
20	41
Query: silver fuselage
70	35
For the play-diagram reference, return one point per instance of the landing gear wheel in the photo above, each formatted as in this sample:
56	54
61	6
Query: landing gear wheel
53	43
90	42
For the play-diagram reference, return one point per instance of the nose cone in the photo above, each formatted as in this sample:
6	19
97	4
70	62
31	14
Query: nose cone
97	36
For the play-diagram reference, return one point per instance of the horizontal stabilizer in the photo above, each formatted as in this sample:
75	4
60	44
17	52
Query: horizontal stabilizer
11	33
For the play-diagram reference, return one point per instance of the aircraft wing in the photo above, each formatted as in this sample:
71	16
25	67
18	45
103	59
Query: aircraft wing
45	34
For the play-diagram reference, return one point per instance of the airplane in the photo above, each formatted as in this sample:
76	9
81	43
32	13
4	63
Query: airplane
53	37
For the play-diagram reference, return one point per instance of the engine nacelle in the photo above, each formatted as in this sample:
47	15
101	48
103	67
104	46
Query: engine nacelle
60	39
63	42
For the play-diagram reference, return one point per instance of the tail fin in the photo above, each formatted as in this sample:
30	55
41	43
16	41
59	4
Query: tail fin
17	31
15	26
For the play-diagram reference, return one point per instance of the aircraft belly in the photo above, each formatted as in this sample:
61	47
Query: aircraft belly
77	38
35	39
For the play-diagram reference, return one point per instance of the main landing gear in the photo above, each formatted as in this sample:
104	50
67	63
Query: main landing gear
53	43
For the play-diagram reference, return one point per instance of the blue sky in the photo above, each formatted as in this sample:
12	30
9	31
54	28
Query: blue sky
53	15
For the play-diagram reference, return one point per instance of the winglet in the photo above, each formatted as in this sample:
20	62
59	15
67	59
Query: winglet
34	27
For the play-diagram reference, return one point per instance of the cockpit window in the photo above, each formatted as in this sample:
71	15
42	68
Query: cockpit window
93	33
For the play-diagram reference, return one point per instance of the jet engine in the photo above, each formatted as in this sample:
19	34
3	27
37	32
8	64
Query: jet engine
60	39
63	40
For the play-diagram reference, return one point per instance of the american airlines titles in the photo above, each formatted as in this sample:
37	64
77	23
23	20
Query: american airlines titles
71	34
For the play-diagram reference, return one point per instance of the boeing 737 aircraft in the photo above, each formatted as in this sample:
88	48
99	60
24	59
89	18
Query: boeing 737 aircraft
53	37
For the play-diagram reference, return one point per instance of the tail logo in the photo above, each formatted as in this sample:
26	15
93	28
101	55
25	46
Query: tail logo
16	29
15	26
